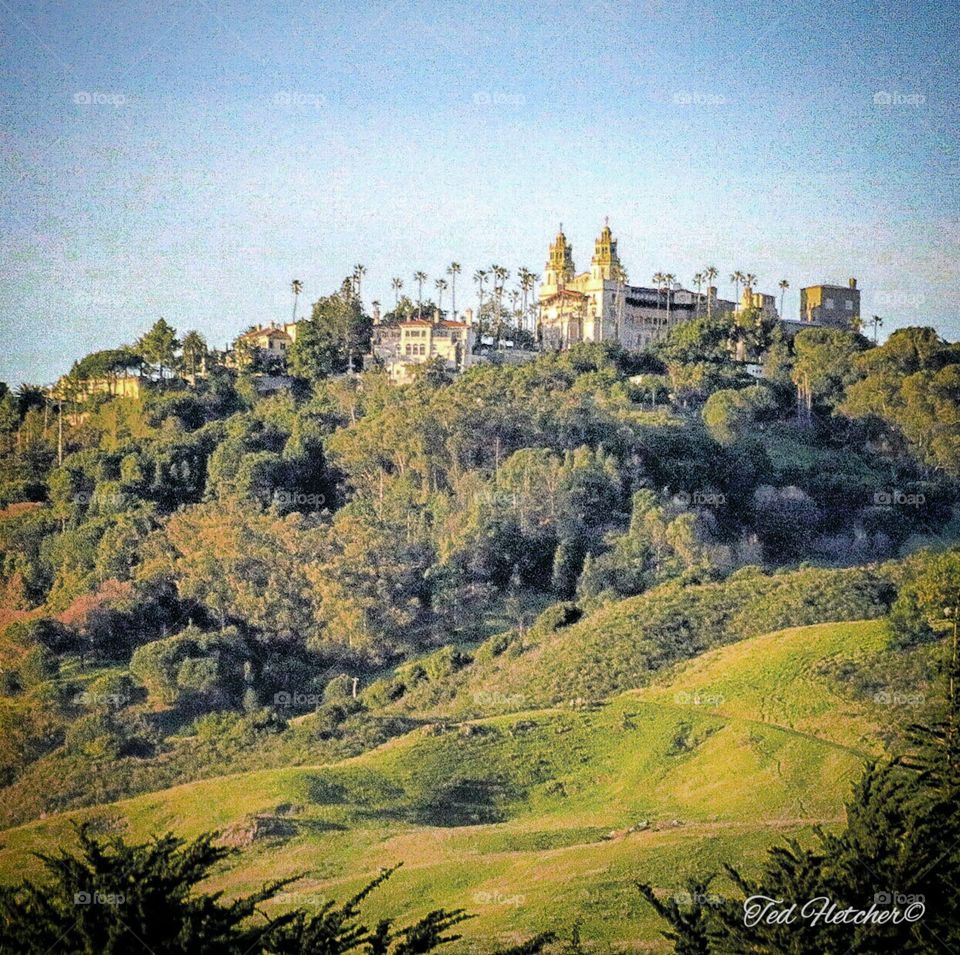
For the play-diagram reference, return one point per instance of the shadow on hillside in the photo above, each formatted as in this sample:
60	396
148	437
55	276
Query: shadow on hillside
464	802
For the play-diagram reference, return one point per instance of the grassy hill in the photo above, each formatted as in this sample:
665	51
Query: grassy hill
530	819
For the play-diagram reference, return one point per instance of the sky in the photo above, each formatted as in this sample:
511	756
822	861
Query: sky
189	158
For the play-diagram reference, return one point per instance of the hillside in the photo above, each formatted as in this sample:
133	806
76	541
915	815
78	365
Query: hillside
506	815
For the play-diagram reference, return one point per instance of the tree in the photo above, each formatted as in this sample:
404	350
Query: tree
783	285
441	286
396	283
327	342
710	273
296	286
736	277
728	413
420	277
500	276
359	271
698	282
159	346
937	592
690	930
194	353
480	277
899	851
910	387
453	270
658	279
668	279
823	367
112	897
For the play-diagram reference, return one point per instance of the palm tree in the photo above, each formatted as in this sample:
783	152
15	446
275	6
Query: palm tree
296	286
784	285
500	276
876	322
480	276
359	271
441	286
396	283
523	280
514	302
453	270
194	353
419	278
698	281
532	279
658	279
710	274
749	282
668	280
736	277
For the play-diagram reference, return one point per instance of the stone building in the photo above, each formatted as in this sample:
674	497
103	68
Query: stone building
834	305
268	343
600	305
402	347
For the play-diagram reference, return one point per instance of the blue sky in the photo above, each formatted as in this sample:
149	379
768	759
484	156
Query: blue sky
188	159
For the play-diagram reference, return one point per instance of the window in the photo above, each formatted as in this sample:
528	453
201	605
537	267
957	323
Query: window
848	305
828	303
408	350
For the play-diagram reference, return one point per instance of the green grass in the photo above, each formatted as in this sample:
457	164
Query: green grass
531	819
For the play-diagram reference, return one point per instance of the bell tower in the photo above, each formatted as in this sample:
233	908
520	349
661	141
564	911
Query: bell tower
559	268
605	263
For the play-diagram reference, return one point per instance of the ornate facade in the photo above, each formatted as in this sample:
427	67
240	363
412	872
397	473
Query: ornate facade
600	305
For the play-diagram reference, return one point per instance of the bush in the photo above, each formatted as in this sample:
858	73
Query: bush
445	662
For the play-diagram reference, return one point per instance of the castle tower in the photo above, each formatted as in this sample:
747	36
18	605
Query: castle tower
559	268
605	263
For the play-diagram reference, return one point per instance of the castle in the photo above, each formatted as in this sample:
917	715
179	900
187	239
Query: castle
599	305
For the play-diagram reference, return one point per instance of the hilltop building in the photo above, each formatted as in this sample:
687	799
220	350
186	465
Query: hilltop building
835	305
264	342
599	305
402	347
761	301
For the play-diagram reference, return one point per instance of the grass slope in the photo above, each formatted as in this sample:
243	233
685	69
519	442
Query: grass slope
532	819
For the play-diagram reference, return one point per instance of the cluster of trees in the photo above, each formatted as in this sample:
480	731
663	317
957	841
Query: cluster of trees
230	544
112	897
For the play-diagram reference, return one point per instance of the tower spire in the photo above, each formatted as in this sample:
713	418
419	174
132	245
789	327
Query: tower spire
559	267
605	256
